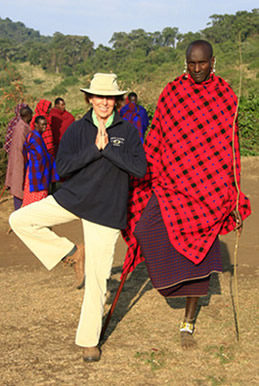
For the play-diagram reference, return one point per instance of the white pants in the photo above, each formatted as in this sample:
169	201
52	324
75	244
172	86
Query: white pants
31	224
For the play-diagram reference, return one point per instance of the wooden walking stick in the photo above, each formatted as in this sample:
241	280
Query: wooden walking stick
236	310
116	298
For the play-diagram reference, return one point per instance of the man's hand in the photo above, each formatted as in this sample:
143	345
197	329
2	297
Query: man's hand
102	138
239	222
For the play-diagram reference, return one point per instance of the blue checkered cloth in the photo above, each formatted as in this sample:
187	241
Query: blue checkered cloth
42	168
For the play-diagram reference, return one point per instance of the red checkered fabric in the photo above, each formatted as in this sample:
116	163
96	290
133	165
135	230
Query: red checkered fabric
42	109
11	125
190	157
30	197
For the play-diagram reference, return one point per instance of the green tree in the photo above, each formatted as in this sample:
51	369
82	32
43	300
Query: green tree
169	36
227	27
249	125
185	39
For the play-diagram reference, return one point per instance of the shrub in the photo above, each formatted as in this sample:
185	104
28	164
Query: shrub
249	125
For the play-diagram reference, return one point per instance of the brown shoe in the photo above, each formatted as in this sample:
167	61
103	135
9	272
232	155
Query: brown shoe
92	354
77	260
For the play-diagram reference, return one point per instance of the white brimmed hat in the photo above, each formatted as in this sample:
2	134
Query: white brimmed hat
104	85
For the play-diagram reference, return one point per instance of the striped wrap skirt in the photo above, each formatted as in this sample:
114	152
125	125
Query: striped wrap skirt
171	273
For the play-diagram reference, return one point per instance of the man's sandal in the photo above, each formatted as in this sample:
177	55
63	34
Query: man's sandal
186	334
187	327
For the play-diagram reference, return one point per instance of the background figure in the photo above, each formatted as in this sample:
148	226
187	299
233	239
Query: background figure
135	114
43	108
15	168
189	194
40	166
10	127
60	120
97	155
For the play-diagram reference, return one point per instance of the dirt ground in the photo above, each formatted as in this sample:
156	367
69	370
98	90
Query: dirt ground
40	311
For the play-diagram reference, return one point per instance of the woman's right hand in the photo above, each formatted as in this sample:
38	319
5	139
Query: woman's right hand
102	138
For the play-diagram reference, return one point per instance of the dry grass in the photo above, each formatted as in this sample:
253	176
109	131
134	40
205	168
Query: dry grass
30	74
37	82
39	313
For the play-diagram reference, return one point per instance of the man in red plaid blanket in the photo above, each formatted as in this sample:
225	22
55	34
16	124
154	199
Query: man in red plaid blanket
189	194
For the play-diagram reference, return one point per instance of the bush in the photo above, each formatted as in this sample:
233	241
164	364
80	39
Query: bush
78	113
58	90
38	81
69	81
249	125
3	155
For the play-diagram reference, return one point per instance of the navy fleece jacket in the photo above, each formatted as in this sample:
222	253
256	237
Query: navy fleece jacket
98	181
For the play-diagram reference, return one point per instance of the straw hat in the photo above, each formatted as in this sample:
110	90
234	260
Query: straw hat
104	85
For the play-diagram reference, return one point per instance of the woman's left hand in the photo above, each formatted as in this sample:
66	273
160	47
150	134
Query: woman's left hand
102	135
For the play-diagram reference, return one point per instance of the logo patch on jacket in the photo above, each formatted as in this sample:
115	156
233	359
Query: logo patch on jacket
117	141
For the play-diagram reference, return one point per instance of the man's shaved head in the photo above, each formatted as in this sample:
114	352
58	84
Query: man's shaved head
200	43
200	60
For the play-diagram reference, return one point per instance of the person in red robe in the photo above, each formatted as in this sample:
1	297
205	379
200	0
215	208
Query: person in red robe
61	119
191	192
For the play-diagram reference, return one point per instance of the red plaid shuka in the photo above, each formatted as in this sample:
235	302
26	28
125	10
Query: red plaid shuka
42	109
190	158
30	197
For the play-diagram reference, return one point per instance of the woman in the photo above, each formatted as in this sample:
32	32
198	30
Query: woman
97	155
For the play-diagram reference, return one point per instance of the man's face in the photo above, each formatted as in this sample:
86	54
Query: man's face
199	63
41	125
103	106
61	106
48	111
133	99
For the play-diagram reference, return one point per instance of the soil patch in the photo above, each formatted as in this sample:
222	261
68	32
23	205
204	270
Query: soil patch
40	311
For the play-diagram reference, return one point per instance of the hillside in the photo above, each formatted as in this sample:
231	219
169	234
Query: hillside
136	56
35	66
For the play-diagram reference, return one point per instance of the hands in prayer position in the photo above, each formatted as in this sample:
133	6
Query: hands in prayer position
102	138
